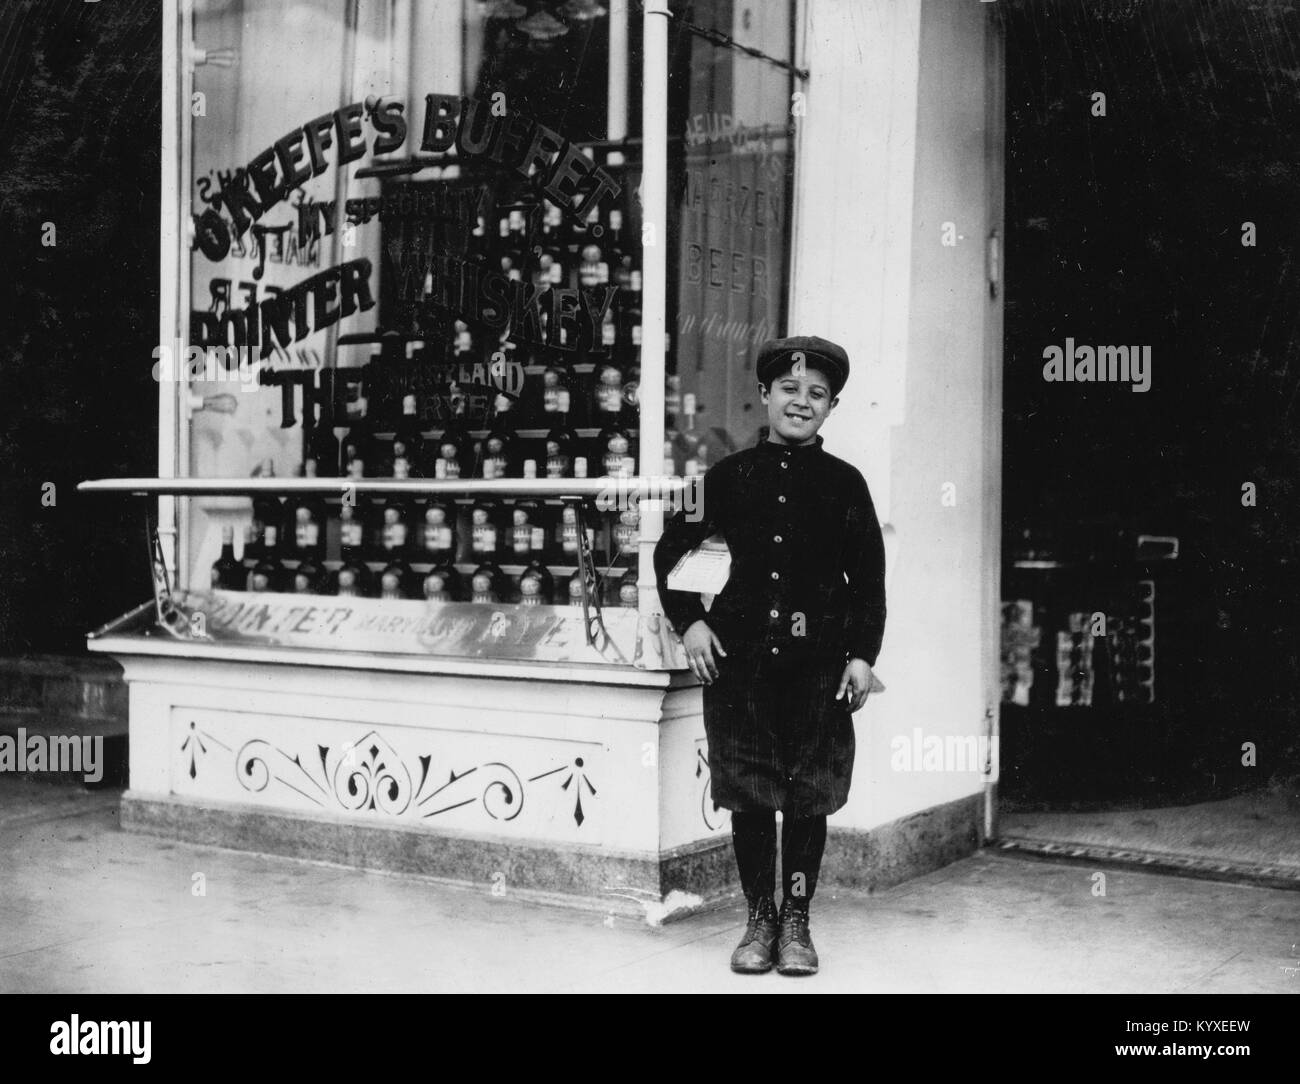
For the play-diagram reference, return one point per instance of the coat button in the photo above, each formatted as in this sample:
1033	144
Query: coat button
785	465
776	651
776	613
776	538
776	575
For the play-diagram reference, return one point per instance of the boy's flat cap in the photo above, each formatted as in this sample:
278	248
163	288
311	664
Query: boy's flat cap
776	356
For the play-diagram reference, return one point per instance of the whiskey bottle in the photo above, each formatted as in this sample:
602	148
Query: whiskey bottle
307	578
358	447
561	443
394	530
322	451
442	583
227	573
437	541
627	536
353	577
267	509
632	393
499	451
408	442
594	270
453	453
575	589
536	586
608	399
266	573
569	548
484	544
557	391
615	451
464	347
252	553
627	590
488	584
395	579
525	515
307	516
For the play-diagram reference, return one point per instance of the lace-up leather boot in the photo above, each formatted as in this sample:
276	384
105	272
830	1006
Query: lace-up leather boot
753	956
795	954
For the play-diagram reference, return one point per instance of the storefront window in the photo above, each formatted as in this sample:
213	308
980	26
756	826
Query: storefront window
417	253
733	98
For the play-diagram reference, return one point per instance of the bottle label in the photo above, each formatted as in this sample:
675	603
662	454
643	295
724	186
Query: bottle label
350	533
395	536
569	537
557	466
626	537
452	467
613	463
484	538
437	539
521	539
497	464
307	534
610	398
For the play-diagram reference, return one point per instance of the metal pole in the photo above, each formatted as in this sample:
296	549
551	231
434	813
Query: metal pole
654	256
616	126
173	264
347	79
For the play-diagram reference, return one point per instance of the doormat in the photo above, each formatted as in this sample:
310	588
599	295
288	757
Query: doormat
1206	869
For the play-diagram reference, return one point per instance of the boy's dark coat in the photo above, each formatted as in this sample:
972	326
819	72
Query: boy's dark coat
806	593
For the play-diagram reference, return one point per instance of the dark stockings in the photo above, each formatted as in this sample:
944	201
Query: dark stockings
803	839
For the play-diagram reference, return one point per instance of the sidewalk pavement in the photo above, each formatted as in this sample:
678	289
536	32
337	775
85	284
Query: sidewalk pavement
89	908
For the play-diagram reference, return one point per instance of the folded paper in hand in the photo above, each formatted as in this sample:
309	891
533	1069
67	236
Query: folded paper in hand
704	570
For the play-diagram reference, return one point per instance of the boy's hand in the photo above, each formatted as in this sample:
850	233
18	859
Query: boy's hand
700	643
856	681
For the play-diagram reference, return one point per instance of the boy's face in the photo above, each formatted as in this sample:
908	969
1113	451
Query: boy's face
797	405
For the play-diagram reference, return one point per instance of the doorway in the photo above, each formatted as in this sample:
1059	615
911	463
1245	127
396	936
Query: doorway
1150	451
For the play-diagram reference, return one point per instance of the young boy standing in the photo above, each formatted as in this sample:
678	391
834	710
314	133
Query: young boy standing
785	654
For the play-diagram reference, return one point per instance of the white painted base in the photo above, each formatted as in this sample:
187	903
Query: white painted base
562	756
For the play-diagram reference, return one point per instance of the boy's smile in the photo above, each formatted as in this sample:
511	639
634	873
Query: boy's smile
797	405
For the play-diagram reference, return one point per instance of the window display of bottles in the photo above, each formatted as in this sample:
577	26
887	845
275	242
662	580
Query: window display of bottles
433	549
565	415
